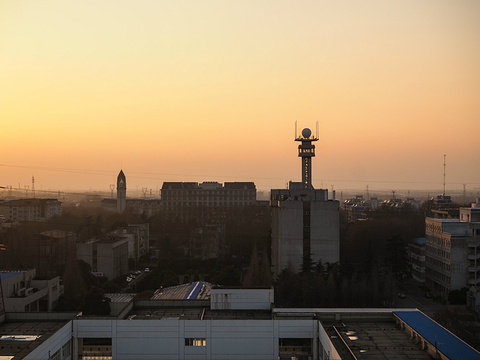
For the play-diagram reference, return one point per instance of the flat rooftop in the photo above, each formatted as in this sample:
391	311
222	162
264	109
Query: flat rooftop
198	313
373	340
18	339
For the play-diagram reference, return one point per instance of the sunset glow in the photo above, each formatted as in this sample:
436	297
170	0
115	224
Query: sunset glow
211	90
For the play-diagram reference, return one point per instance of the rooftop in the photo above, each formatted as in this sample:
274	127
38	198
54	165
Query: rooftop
20	338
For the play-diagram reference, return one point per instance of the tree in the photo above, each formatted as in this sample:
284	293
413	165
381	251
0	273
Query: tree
96	303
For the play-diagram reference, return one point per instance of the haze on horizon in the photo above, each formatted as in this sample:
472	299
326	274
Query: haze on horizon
211	90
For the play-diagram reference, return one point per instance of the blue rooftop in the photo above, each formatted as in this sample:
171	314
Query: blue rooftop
444	340
8	275
419	241
193	291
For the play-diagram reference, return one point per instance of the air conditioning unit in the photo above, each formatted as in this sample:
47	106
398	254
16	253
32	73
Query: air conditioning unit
28	291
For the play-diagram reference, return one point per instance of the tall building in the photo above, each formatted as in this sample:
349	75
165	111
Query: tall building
305	223
121	192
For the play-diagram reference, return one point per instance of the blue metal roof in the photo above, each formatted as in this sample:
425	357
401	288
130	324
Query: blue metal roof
419	241
193	291
444	340
8	275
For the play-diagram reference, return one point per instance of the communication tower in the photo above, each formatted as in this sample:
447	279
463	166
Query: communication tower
306	150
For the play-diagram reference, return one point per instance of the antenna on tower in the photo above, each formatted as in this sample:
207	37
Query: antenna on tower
26	189
318	132
464	194
444	166
33	186
368	195
144	191
295	129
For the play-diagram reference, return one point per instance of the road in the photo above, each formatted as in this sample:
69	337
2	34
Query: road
415	298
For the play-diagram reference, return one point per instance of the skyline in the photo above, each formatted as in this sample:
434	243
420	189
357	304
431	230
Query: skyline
211	91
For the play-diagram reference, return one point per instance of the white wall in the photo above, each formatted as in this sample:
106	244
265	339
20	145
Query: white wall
241	299
52	344
225	339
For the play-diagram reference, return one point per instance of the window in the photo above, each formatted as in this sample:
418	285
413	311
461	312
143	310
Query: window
66	350
195	342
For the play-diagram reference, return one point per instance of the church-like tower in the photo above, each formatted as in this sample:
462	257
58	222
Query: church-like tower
121	192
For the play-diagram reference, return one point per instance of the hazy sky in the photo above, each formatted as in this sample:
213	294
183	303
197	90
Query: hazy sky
210	90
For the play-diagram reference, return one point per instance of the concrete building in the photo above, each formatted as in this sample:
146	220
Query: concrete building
55	247
22	292
107	257
452	251
30	209
191	199
416	255
305	222
138	236
186	323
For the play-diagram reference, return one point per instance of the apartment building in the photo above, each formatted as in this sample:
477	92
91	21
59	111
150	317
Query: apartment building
30	209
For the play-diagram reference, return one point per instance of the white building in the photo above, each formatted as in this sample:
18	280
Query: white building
23	293
107	257
191	329
452	251
305	223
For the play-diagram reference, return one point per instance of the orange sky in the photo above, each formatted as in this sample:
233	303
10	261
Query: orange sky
211	90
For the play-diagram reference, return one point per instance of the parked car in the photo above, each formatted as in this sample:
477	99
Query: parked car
401	295
129	279
147	269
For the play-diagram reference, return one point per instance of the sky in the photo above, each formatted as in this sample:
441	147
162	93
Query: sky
211	91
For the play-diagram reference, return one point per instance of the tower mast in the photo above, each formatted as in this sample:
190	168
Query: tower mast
306	150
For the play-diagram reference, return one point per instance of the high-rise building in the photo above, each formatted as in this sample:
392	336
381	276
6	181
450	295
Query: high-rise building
305	223
121	192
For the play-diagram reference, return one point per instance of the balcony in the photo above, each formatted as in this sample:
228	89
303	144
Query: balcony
473	281
474	256
474	268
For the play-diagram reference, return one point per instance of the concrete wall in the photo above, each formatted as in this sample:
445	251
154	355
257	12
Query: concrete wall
53	344
287	234
241	299
224	339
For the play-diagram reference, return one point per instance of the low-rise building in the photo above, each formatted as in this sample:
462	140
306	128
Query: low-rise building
22	292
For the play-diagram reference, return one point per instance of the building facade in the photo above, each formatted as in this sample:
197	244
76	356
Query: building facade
416	255
187	199
30	209
138	236
24	293
107	257
305	222
452	251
